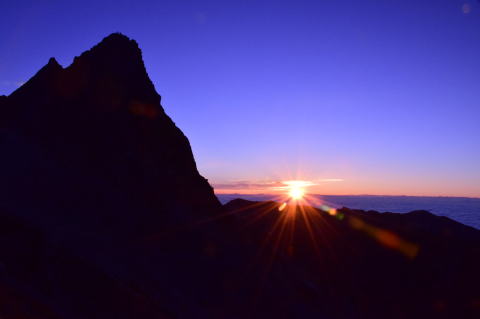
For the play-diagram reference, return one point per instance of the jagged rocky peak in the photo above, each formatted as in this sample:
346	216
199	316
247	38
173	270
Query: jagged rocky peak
97	127
112	50
51	69
40	84
115	53
109	76
115	65
117	44
51	66
53	62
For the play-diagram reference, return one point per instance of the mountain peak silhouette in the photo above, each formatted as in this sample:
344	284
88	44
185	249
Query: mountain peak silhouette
53	62
91	162
101	117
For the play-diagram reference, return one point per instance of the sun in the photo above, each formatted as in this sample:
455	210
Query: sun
296	193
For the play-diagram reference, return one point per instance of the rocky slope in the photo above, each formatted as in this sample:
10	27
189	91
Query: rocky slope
92	142
358	264
91	161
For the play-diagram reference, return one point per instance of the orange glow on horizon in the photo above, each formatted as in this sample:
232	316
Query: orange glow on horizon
344	181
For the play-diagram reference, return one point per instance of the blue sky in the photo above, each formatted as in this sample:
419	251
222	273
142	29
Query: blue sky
382	95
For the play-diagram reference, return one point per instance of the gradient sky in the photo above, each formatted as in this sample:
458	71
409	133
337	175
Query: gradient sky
361	97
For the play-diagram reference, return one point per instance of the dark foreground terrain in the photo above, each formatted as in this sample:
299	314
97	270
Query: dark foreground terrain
103	214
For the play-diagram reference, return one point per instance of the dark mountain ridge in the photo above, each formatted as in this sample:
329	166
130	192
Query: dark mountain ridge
103	214
101	120
91	161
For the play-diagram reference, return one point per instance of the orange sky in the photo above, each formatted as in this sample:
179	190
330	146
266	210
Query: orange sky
332	186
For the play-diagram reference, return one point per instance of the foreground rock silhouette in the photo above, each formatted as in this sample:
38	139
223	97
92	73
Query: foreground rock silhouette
103	214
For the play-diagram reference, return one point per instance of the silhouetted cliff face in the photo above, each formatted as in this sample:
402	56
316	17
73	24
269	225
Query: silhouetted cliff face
93	165
91	144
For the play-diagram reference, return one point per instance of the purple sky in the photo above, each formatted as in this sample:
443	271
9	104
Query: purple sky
377	97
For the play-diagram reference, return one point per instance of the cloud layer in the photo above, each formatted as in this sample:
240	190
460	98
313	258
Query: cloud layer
245	186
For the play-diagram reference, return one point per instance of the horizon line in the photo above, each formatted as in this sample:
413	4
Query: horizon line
377	195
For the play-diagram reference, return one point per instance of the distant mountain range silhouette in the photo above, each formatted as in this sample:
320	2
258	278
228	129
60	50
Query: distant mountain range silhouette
103	214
